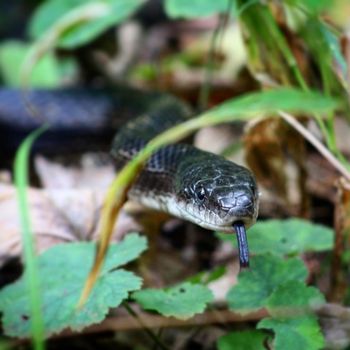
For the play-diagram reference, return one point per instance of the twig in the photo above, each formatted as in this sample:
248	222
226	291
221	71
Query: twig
144	320
214	44
316	143
334	310
205	89
136	317
126	323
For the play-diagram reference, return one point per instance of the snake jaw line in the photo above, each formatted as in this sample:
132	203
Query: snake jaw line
242	241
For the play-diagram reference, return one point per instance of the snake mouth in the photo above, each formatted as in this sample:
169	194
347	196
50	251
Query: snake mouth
243	250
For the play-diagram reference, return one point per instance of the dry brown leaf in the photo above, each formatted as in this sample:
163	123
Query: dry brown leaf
57	216
339	269
221	286
276	155
90	174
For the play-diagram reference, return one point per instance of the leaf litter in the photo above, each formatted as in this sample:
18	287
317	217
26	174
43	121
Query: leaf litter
62	211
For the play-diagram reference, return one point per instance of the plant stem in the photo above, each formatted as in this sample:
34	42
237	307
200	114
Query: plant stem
316	143
144	326
205	88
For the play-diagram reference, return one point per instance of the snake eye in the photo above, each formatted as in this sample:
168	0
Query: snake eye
252	188
200	193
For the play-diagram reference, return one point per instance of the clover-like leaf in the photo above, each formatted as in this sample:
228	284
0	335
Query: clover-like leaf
246	340
294	297
290	236
257	284
302	333
63	270
181	301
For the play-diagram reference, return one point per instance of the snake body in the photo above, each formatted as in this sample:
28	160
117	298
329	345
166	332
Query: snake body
179	179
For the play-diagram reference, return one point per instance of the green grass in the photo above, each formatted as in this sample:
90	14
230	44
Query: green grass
29	257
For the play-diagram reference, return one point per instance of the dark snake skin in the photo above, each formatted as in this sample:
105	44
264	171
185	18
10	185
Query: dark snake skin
179	179
80	119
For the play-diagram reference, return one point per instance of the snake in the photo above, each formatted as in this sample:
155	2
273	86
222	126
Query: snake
179	179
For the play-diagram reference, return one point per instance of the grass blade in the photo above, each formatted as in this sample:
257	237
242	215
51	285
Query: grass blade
31	275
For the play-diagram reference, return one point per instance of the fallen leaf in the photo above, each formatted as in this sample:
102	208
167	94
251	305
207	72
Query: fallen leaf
57	216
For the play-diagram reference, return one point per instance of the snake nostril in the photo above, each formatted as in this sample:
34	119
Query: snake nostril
238	202
244	201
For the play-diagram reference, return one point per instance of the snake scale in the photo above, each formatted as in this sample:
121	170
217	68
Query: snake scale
179	179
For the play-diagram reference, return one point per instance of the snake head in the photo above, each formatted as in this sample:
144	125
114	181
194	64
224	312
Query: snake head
217	193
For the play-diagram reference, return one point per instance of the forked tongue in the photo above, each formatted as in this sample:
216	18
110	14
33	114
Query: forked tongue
242	241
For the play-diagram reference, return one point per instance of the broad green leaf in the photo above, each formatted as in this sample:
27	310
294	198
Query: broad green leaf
63	270
289	236
45	74
195	8
294	297
302	333
84	31
256	285
182	301
246	340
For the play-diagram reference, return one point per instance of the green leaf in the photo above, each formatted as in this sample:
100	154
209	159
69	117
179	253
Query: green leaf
86	30
312	6
30	276
334	46
256	285
195	8
181	301
12	54
302	333
207	277
326	50
6	345
294	297
289	236
63	270
271	101
247	340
